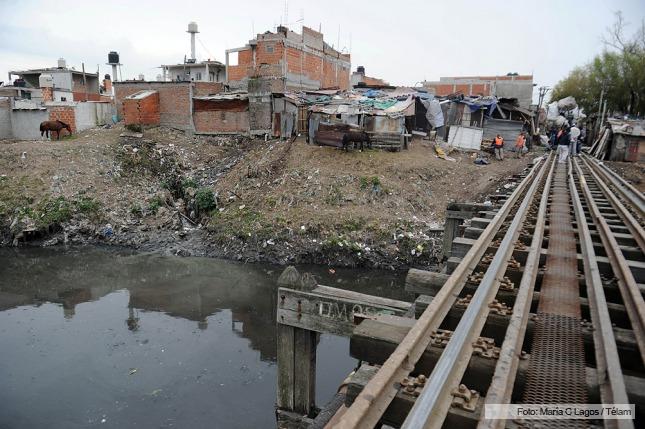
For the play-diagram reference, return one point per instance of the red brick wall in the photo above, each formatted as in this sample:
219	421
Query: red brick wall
143	111
48	94
174	101
81	96
297	61
264	57
207	88
64	114
221	121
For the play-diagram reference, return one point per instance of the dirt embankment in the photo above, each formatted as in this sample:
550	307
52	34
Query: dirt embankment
633	172
275	201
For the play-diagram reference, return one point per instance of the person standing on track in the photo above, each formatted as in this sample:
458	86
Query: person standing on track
574	134
498	146
563	145
519	145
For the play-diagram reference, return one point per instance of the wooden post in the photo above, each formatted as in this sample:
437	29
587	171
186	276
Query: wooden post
449	233
456	213
286	360
304	310
305	344
296	355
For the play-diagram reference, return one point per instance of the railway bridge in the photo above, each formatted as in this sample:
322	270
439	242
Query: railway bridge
541	302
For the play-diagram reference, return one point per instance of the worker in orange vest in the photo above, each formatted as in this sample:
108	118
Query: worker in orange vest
498	146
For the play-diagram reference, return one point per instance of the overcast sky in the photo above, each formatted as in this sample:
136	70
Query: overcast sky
402	41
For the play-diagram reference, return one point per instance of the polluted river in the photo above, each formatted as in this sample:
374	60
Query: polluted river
93	337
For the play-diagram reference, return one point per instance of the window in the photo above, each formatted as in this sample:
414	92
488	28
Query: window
198	76
269	49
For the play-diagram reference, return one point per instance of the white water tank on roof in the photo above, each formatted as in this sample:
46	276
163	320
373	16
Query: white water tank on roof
45	81
62	63
192	27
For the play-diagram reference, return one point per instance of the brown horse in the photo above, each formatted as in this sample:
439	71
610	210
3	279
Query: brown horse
47	126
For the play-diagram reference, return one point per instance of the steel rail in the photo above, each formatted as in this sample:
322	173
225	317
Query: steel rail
630	222
371	403
632	298
625	189
501	387
432	405
608	369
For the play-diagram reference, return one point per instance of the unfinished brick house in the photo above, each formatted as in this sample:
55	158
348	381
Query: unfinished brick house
295	62
510	86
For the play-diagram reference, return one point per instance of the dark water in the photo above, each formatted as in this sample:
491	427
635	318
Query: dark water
91	337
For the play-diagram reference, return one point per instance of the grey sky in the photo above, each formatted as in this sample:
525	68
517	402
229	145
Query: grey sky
402	41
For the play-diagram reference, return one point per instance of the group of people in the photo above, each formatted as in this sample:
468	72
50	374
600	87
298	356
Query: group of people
567	140
520	144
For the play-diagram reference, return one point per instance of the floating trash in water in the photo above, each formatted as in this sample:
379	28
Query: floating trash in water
133	370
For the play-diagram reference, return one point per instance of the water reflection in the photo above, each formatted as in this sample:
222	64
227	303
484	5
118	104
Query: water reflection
97	316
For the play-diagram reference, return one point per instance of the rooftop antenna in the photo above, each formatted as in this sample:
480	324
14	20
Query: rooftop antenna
286	12
338	40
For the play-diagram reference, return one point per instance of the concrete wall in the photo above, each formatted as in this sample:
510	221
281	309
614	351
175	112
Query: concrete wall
90	115
5	118
520	89
25	124
59	95
260	105
62	79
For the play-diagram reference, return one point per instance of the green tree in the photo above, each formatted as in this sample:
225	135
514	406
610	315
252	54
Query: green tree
619	69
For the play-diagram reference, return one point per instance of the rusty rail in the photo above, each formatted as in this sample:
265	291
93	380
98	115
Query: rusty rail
632	298
610	375
630	222
626	190
372	402
431	407
501	387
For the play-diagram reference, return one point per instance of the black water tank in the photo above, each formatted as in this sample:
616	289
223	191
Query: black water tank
107	77
360	69
113	57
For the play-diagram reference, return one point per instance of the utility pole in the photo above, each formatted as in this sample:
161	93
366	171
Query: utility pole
542	93
602	95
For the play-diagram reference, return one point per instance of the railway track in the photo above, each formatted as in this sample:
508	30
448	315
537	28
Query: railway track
543	304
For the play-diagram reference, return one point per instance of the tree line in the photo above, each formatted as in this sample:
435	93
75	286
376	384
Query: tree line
618	72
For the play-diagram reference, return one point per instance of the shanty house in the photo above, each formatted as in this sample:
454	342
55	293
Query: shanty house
620	141
226	113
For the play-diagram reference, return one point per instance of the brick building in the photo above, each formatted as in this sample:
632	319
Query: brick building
175	99
509	86
295	61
